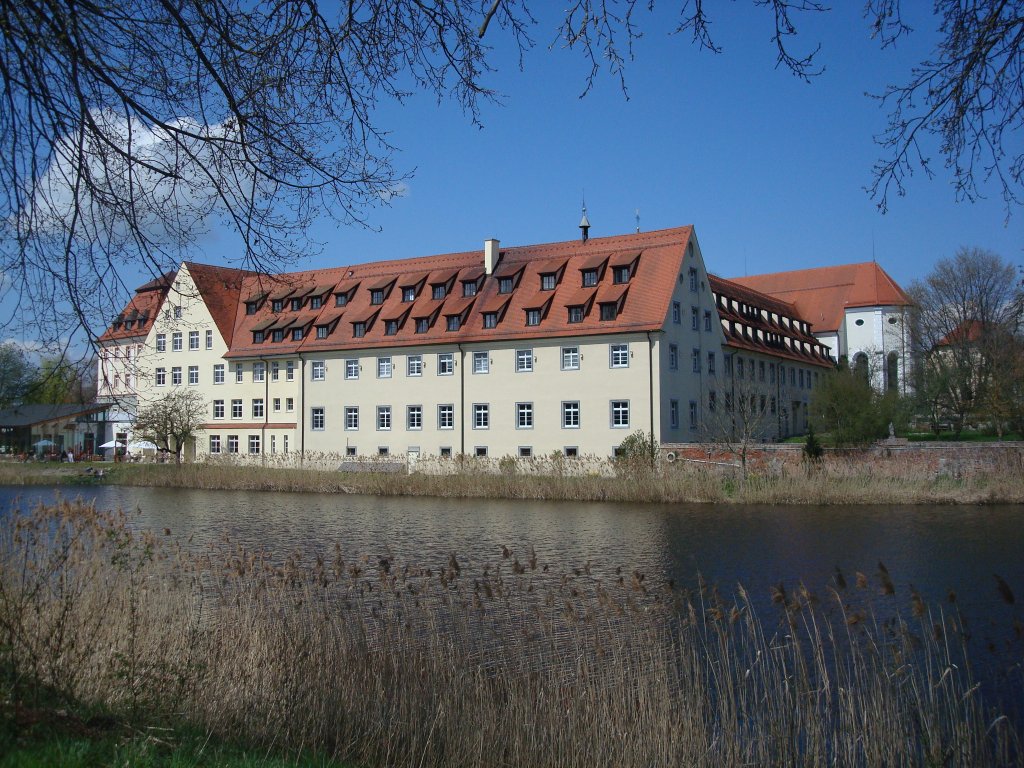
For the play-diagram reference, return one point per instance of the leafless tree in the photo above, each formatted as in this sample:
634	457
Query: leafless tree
742	418
171	420
967	314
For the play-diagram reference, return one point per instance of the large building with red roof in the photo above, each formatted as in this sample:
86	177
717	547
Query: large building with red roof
857	310
504	351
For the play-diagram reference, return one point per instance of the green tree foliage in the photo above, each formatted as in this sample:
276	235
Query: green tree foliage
638	452
849	410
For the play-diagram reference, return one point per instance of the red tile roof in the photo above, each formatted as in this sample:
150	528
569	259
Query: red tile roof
823	294
141	310
221	289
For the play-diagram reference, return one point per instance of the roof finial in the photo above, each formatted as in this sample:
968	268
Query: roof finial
638	221
584	223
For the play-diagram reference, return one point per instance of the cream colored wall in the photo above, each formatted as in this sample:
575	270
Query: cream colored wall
594	386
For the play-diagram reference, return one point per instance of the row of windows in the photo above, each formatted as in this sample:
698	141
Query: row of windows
799	378
756	405
177	341
695	324
523	415
256	410
254	445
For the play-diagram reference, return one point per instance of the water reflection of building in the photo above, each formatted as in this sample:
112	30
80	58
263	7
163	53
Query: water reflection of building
519	351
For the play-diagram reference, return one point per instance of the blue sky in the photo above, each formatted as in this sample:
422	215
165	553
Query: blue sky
770	170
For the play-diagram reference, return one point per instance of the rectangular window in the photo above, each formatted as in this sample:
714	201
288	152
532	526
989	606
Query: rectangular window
524	360
259	372
712	401
609	311
533	317
383	367
176	341
677	313
490	319
480	451
414	365
341	300
193	340
296	304
589	278
177	312
548	281
695	358
193	374
239	372
176	375
218	409
693	414
289	406
236	409
257	337
505	284
161	377
257	408
525	451
350	450
317	421
760	370
218	373
414	417
315	302
576	314
469	288
390	327
711	363
277	305
739	367
351	417
297	334
318	370
445	364
161	342
377	296
446	452
352	368
570	358
454	322
278	335
571	451
439	291
275	370
322	331
693	279
620	274
673	414
232	443
289	372
673	357
619	355
801	378
771	373
620	413
383	417
571	415
422	324
254	444
694	319
214	443
524	415
409	293
481	416
707	320
446	416
792	377
359	329
481	362
277	404
728	364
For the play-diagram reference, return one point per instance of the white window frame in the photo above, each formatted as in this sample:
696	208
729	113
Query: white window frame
259	372
193	341
218	373
176	341
524	361
193	375
481	362
384	367
481	416
236	408
383	418
318	370
619	414
352	368
524	415
446	413
618	355
570	358
351	418
160	377
445	363
414	365
258	408
317	418
571	416
254	445
176	376
209	339
414	417
161	342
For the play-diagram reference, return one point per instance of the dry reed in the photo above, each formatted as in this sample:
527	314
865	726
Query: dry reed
515	663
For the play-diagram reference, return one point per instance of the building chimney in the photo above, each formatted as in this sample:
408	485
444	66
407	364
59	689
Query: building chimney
490	255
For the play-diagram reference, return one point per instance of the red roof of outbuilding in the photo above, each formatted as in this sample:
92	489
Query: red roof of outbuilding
822	295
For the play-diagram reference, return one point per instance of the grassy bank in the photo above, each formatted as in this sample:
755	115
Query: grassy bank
379	662
836	480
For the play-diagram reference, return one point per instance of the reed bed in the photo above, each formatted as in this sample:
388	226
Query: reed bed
516	662
839	479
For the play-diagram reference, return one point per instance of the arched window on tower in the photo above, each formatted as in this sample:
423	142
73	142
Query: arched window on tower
860	365
892	371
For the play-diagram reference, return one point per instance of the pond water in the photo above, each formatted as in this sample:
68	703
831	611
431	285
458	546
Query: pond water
937	549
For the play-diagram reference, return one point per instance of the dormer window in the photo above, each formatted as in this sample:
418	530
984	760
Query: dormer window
575	314
409	294
377	296
454	323
297	334
128	324
277	305
505	284
490	319
589	278
278	335
341	299
296	305
533	317
548	281
358	330
469	288
620	274
422	324
316	302
322	331
257	337
439	291
250	307
390	327
609	311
